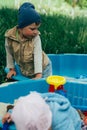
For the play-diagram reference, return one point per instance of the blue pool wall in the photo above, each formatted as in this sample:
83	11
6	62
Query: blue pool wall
71	65
12	91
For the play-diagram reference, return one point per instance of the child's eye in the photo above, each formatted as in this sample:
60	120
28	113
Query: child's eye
33	29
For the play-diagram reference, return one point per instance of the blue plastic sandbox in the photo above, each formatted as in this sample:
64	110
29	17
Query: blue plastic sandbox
72	66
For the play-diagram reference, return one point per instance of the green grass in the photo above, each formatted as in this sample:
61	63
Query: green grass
60	33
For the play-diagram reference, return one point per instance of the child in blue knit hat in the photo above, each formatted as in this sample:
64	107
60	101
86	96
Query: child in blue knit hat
23	45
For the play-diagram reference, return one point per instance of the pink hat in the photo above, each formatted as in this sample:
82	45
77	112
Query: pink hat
32	113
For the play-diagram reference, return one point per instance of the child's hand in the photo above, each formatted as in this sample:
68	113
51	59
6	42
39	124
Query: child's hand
85	120
7	117
11	73
38	76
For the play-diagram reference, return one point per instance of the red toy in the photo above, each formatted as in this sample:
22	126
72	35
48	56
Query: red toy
56	83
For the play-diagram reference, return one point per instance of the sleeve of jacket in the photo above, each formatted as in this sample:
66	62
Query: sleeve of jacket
64	116
9	58
37	55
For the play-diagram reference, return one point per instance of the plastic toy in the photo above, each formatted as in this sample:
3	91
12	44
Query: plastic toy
56	84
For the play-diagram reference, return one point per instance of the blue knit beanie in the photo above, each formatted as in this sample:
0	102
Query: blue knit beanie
27	15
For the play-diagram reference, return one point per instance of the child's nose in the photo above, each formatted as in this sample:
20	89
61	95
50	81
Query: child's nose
35	31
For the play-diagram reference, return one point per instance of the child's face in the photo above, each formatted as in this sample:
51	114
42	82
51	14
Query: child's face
30	31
